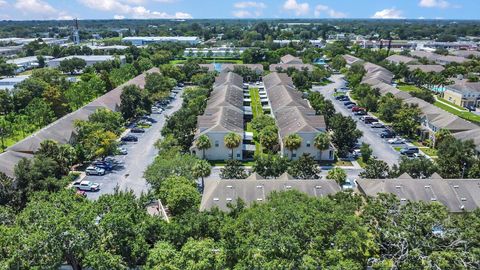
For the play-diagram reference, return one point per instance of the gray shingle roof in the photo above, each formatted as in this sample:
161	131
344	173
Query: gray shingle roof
226	95
9	159
218	193
228	78
457	195
351	59
292	120
290	59
281	96
226	118
255	67
441	59
284	67
276	78
427	68
397	59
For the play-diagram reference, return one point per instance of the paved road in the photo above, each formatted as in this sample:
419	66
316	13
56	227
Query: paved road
380	147
128	174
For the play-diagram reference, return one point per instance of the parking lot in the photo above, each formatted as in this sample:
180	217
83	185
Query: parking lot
128	169
381	148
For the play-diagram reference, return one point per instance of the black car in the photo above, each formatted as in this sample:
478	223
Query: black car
349	103
340	97
387	134
361	112
137	130
129	138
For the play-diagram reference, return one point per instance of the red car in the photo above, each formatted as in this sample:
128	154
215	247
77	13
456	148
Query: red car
357	109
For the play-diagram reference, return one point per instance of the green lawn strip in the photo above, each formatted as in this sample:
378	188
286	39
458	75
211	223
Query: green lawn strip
428	151
361	163
257	111
397	148
343	163
409	88
451	104
464	114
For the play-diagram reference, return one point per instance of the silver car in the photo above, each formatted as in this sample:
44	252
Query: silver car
86	185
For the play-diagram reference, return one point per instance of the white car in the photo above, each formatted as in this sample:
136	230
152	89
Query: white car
122	151
396	141
86	185
92	170
377	125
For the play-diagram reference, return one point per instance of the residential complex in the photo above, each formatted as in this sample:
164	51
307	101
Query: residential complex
289	61
463	93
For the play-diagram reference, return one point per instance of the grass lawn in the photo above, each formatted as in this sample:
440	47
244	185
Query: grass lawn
397	148
339	94
409	88
343	163
462	114
361	163
216	163
451	104
257	111
429	151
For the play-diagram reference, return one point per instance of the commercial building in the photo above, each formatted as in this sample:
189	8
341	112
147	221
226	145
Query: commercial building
26	63
10	50
293	115
141	41
63	129
214	52
10	82
463	93
89	59
396	45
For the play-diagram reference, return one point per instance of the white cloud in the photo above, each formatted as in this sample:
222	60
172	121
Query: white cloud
118	17
242	14
166	1
36	7
249	4
434	3
3	3
136	12
388	13
298	8
248	9
319	9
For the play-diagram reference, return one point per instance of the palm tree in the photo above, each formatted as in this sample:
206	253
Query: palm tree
322	142
292	142
232	140
201	169
203	143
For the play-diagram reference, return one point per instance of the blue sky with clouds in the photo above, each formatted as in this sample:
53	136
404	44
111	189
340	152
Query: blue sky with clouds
143	9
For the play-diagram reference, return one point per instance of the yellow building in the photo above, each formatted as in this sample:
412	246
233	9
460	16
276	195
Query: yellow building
463	93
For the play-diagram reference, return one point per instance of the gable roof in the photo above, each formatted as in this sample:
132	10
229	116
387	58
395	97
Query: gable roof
290	59
218	193
427	68
294	120
457	195
397	59
276	78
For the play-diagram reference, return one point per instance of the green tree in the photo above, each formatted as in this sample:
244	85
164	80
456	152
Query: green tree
269	138
366	152
202	169
417	168
337	174
338	62
203	143
345	133
261	122
163	256
376	169
407	120
203	254
305	167
455	157
322	142
134	102
233	169
179	194
232	140
388	106
292	142
270	165
6	130
72	65
168	164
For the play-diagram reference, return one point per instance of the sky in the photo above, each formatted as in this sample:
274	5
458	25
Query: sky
200	9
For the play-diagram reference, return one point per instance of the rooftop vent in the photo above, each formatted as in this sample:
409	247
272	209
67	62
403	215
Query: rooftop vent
216	199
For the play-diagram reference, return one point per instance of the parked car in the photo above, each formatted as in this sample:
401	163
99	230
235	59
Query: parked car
144	122
340	97
137	130
396	141
409	150
387	134
93	170
86	185
369	120
357	109
377	125
129	138
346	103
360	113
108	166
350	106
344	98
122	151
356	153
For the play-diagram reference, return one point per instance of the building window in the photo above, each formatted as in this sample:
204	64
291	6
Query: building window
238	155
216	144
308	144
